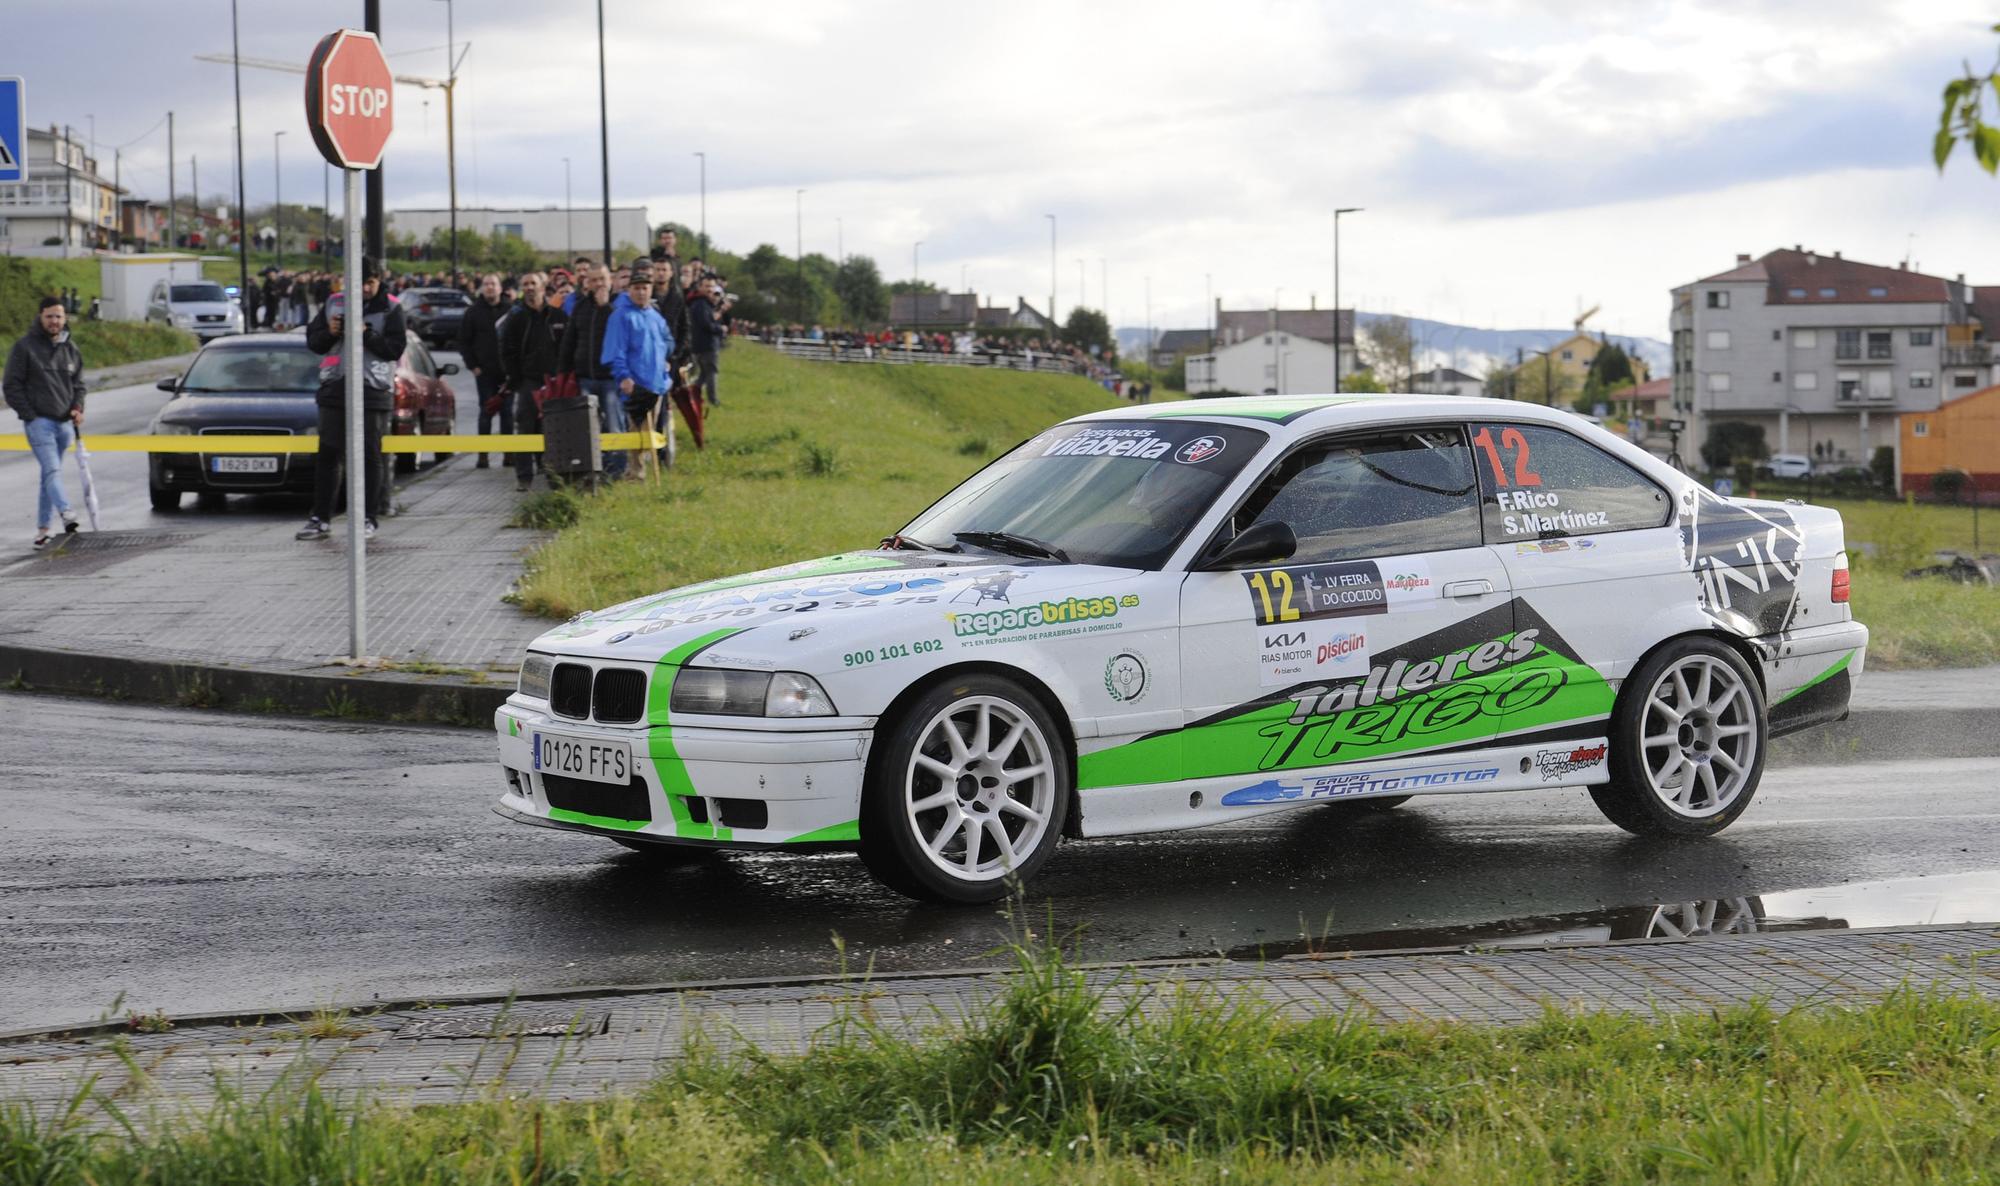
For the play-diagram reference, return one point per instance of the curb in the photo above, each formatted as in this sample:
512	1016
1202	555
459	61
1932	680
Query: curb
435	700
258	1017
132	374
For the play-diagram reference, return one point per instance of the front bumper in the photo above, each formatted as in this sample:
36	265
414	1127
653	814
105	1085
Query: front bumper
733	787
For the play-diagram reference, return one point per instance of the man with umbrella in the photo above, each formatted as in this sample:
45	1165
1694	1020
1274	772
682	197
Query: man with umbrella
44	386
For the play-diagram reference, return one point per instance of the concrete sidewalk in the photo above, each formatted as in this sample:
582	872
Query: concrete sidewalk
589	1044
247	614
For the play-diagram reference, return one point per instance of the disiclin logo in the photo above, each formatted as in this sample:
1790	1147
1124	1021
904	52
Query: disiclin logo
1334	649
1199	450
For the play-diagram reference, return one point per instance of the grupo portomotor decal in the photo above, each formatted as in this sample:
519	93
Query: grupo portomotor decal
1344	786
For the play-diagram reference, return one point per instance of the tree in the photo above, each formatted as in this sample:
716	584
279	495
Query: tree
1389	350
1963	118
1535	381
1086	328
1733	442
1363	381
858	284
765	265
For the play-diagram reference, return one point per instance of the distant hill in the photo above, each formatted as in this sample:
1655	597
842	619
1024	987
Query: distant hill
1469	348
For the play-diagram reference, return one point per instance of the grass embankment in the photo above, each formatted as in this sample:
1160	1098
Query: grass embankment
23	282
803	459
1927	622
1058	1084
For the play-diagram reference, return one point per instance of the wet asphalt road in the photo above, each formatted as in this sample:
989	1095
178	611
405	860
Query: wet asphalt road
200	861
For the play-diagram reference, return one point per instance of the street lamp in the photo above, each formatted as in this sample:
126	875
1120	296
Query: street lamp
1052	269
603	134
278	195
1336	289
703	233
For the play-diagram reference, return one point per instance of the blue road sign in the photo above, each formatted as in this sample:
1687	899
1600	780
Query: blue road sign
13	129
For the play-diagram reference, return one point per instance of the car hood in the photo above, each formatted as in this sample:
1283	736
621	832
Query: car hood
803	617
294	410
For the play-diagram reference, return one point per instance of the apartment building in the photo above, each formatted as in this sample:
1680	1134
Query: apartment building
63	207
1826	353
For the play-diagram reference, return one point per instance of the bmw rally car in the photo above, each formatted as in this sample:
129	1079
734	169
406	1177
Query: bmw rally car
1166	617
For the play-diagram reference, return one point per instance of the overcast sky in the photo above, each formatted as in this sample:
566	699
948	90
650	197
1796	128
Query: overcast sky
1518	161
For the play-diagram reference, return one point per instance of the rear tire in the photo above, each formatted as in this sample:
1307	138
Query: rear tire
1688	738
967	793
164	499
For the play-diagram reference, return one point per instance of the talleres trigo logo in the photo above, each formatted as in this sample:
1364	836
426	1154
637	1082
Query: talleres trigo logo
1199	450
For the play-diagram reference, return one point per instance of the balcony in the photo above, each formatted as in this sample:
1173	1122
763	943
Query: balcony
1976	355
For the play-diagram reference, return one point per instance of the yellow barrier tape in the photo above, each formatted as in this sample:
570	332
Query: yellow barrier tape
518	442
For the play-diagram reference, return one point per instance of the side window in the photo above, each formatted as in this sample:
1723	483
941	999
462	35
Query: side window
1384	494
420	360
1543	483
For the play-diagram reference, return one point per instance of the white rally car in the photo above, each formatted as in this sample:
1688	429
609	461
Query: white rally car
1166	617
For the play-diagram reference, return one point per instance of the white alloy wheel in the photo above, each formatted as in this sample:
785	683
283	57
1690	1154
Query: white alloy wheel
980	788
1695	920
1698	729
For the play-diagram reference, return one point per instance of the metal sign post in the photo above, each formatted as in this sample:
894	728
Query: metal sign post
357	462
350	110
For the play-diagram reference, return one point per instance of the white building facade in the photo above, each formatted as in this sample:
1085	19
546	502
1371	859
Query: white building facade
1271	363
63	208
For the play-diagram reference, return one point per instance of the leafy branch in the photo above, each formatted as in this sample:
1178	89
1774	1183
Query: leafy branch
1963	118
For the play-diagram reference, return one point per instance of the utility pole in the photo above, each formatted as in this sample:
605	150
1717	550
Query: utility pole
117	199
325	216
377	217
278	194
569	216
1336	290
1149	329
703	233
451	131
1104	291
916	282
603	133
1208	315
799	247
1082	291
242	219
173	214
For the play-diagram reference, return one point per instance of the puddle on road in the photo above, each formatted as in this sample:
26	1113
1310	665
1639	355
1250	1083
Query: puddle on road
1908	901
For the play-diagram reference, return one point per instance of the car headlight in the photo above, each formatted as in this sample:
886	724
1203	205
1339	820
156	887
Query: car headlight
535	672
719	691
183	318
168	428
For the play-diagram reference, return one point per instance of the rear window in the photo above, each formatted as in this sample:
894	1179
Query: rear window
1542	483
246	371
199	292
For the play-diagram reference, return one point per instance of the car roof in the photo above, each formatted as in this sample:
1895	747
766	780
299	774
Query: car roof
1315	412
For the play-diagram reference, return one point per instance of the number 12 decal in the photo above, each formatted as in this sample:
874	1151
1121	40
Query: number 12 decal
1510	439
1276	581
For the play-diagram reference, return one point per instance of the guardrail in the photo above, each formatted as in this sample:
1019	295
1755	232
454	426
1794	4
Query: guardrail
822	351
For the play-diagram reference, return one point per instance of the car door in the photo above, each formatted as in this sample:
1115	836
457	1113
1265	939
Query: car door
1383	634
156	305
1593	551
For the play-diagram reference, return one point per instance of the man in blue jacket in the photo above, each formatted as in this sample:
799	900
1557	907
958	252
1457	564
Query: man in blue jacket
636	345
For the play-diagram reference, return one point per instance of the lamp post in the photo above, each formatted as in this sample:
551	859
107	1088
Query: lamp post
703	233
799	248
603	134
1081	289
278	194
569	215
1052	269
1336	289
242	242
916	281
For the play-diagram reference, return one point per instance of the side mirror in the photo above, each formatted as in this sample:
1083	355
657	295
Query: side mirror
169	385
447	368
1262	543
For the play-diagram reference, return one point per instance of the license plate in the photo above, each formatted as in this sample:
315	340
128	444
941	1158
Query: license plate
243	465
597	761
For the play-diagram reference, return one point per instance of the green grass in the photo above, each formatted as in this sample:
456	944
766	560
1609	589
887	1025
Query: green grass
804	459
23	282
113	343
1060	1083
1927	622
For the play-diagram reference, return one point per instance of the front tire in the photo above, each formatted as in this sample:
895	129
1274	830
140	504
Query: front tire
164	499
1687	742
967	794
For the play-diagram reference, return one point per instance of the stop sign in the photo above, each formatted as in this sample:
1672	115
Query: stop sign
350	99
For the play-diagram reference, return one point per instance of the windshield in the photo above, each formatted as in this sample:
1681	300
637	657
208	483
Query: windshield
276	368
440	296
198	292
1114	492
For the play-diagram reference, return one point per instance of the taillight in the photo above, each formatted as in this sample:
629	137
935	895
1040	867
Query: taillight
1839	586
